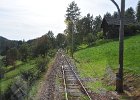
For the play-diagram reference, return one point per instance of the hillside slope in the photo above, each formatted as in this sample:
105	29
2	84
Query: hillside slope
6	44
99	61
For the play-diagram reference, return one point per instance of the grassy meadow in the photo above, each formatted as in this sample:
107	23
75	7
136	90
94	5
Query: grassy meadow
92	62
9	76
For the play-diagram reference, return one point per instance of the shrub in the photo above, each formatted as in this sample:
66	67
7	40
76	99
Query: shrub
26	75
100	35
2	71
42	63
51	53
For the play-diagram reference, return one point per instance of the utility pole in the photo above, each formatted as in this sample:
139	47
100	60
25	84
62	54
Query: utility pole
119	76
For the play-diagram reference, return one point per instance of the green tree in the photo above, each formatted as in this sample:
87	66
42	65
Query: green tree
24	51
72	15
42	63
115	15
100	35
107	15
130	13
61	40
41	46
85	26
12	56
51	40
97	24
90	38
73	12
138	11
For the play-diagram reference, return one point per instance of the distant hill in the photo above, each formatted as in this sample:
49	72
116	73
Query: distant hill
5	44
2	38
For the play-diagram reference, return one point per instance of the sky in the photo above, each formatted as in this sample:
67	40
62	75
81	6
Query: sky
29	19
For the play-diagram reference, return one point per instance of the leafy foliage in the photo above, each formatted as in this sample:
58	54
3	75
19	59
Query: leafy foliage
41	63
86	27
12	56
24	51
107	15
72	16
61	41
6	44
42	45
97	24
130	13
73	12
115	15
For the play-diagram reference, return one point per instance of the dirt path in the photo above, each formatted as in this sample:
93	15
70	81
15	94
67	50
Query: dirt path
48	90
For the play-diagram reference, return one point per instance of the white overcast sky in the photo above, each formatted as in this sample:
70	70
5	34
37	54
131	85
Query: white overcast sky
28	19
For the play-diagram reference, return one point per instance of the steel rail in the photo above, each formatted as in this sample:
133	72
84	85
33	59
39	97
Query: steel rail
78	78
65	86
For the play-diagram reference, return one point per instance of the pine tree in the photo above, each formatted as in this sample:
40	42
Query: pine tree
130	13
115	15
107	15
73	12
72	17
97	24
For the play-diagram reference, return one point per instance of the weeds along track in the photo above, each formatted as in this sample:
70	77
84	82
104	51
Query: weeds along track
72	85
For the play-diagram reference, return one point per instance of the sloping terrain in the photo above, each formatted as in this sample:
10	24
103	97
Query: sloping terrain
98	65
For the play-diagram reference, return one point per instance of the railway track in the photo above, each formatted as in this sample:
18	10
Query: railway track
72	85
63	83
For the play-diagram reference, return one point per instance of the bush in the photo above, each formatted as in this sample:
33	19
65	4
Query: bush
91	38
131	30
11	56
51	53
42	63
100	35
27	75
2	71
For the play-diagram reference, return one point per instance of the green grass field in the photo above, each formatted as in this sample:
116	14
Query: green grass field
12	75
93	61
9	76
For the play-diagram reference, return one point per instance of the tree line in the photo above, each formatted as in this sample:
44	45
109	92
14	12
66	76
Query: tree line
24	50
87	29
